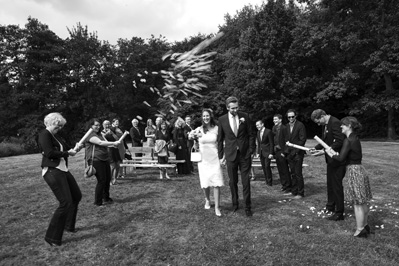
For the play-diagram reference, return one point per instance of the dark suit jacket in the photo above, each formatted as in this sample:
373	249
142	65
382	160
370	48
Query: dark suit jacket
51	149
333	138
187	129
265	142
281	138
228	142
297	136
137	137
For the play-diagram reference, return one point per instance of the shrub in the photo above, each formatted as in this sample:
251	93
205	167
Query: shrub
11	148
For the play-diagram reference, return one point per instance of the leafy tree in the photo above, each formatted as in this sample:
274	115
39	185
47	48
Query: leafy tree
365	59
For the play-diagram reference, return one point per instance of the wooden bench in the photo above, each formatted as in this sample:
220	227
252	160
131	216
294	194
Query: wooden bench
257	164
148	160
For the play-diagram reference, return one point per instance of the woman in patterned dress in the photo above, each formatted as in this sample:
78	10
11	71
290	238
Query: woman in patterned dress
209	169
358	189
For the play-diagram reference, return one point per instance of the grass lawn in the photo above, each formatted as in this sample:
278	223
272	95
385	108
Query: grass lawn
158	222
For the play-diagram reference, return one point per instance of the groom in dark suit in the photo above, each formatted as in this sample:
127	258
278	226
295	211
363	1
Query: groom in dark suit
236	144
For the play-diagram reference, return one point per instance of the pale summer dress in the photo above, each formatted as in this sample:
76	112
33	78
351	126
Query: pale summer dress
209	169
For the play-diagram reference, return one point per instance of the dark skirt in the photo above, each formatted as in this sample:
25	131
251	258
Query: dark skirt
357	190
163	159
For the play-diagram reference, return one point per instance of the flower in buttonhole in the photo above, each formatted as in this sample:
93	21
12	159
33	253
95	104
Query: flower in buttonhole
242	120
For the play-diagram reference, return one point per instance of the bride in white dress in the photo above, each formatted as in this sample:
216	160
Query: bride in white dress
210	170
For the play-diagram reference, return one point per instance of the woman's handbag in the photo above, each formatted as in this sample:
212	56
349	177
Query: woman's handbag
196	155
90	170
172	147
160	148
128	155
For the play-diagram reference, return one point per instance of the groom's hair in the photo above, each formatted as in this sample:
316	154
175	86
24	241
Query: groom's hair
231	99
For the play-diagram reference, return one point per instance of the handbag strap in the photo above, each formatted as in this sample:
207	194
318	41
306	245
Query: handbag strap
92	154
193	149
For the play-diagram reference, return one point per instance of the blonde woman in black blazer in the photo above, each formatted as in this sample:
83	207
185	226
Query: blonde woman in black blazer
56	174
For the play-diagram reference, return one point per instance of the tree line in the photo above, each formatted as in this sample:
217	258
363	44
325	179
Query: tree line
341	56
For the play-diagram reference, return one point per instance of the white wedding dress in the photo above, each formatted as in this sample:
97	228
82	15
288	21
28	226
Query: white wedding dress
210	171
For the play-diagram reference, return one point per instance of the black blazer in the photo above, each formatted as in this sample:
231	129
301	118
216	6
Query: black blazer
333	138
51	149
137	137
228	142
281	137
297	136
265	142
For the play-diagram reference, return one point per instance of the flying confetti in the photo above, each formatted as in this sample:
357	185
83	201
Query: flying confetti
185	78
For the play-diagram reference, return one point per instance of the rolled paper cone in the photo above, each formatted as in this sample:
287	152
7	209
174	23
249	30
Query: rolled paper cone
124	135
321	142
297	146
85	137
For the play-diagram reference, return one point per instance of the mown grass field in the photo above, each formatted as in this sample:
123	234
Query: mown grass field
157	222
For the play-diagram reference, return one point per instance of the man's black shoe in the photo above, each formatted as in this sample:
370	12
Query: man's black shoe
336	217
248	213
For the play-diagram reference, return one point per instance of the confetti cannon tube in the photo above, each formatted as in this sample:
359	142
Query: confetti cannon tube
123	136
321	142
296	146
84	137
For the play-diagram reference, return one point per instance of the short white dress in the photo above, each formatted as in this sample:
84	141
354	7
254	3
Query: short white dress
209	169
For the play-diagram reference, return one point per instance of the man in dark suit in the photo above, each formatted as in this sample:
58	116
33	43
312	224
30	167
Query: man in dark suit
136	135
279	132
264	139
190	142
333	137
236	143
295	134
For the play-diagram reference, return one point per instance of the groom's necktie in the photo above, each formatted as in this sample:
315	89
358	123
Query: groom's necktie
235	125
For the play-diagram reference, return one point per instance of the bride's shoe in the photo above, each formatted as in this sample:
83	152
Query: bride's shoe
207	205
217	212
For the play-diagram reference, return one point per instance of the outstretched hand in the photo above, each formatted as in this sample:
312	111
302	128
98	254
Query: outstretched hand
314	152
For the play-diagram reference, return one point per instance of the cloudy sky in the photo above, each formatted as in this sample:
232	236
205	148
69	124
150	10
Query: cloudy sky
113	19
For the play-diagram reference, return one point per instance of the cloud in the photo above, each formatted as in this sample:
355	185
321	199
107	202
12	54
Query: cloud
114	19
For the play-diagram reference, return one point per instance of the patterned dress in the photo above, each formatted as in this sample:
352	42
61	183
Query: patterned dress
357	189
209	169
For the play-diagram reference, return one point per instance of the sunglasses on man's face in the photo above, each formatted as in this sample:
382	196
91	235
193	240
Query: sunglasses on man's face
291	116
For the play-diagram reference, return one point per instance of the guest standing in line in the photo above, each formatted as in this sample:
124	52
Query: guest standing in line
180	139
332	135
162	139
149	133
56	174
96	144
113	153
296	134
265	144
136	135
121	147
279	132
236	144
190	143
209	168
358	190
